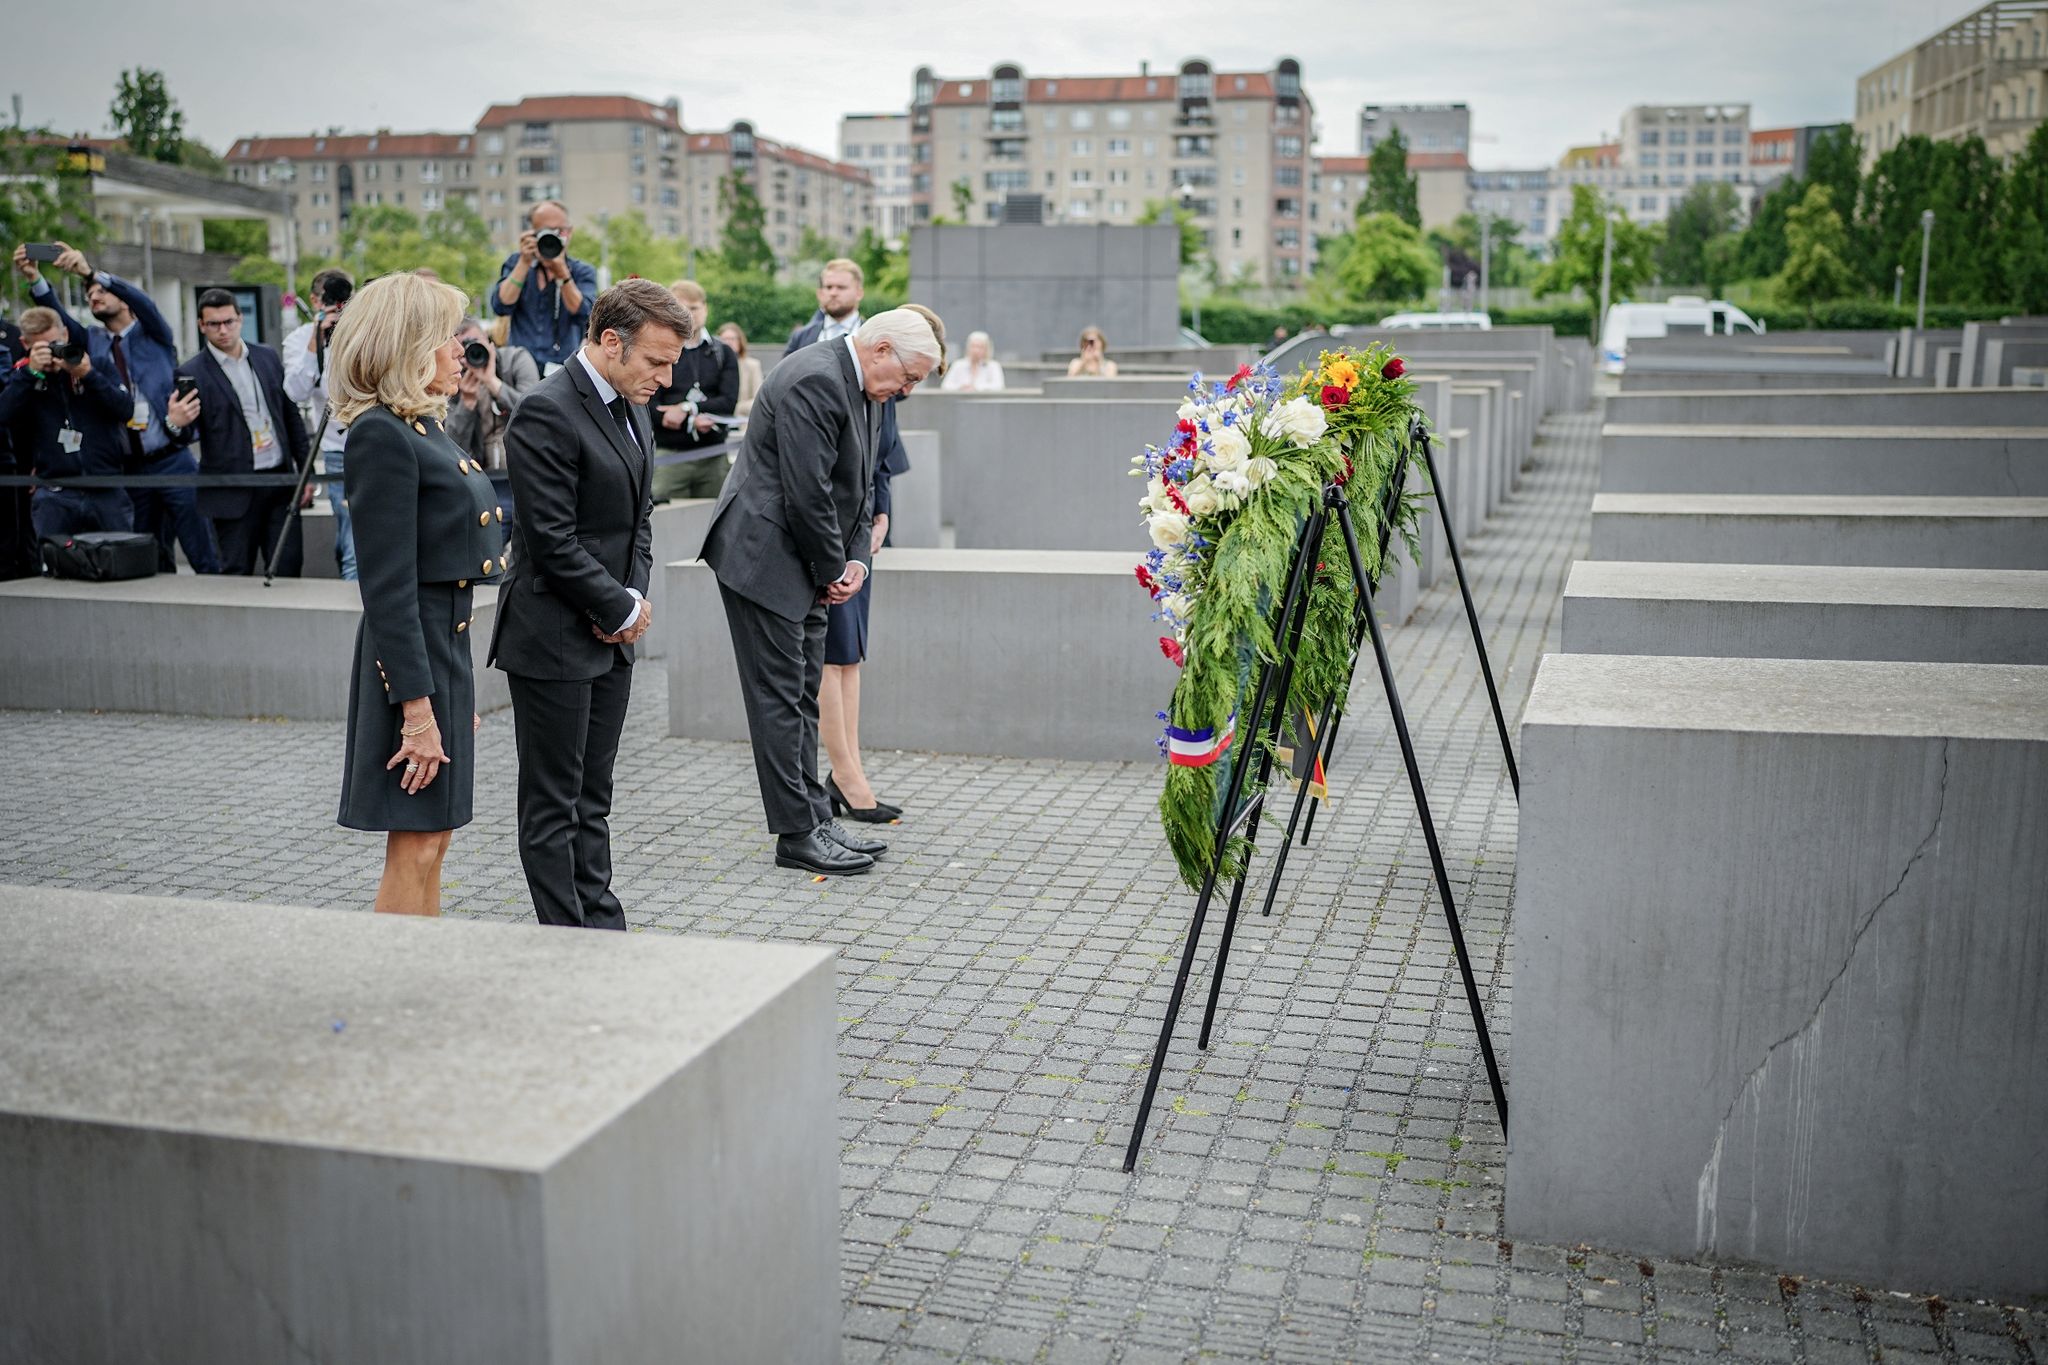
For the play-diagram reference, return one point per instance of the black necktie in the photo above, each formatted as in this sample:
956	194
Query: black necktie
618	411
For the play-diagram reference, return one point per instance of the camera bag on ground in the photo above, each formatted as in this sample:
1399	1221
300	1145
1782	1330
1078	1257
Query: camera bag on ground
101	556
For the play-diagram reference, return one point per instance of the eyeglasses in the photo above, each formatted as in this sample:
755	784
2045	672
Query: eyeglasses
218	323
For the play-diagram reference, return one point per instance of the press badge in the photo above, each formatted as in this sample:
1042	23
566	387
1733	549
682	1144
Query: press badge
138	416
70	440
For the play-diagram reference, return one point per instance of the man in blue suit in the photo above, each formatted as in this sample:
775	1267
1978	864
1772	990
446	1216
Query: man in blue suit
134	347
246	425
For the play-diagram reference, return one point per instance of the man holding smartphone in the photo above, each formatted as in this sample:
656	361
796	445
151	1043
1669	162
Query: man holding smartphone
133	347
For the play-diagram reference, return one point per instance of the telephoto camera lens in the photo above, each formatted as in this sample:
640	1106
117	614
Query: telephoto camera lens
66	352
337	293
548	243
476	354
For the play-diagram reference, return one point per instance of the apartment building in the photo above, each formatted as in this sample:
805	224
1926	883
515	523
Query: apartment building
880	145
1665	149
1773	155
1985	75
1521	197
1231	146
328	176
1424	127
797	189
601	155
1443	189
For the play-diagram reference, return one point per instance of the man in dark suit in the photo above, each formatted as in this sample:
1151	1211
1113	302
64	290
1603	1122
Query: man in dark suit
841	287
575	602
789	535
246	425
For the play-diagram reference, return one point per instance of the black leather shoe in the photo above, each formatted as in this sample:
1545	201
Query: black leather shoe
814	852
881	813
845	838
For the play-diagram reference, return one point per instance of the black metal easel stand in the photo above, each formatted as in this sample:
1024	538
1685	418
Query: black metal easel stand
1260	735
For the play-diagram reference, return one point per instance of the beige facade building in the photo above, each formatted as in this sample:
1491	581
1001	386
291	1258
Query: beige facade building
1443	190
601	155
1231	146
1985	75
880	145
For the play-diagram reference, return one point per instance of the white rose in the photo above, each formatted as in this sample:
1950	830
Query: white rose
1155	497
1169	529
1233	481
1231	448
1297	421
1257	471
1187	410
1201	498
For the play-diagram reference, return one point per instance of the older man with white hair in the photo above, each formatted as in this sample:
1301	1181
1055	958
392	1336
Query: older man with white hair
789	535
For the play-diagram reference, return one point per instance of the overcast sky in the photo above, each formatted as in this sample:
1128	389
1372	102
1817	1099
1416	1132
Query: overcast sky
1539	76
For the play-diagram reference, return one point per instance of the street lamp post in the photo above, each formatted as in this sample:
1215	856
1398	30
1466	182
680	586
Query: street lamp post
1898	284
1606	270
1186	193
291	254
148	262
1485	259
1926	242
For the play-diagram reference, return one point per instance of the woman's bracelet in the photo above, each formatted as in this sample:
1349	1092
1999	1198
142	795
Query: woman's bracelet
408	731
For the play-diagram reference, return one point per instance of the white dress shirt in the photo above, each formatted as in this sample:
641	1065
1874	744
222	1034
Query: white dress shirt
304	383
605	394
268	454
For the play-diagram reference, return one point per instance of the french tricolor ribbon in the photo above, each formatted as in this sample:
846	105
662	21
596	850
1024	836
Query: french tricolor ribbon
1198	748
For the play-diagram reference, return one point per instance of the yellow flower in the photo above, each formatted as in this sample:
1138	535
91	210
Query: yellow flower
1341	372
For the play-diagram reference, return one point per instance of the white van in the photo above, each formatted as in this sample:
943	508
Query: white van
1438	322
1680	315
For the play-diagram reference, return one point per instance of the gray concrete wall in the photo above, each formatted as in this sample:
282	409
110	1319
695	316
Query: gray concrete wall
1025	654
1977	336
1880	461
1045	474
1033	288
2002	357
1664	380
1477	408
1778	952
1935	533
189	645
917	496
257	1133
1915	407
1802	611
679	528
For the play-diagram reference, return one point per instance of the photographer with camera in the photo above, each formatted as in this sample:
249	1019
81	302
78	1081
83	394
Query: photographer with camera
305	382
66	418
493	381
134	347
544	290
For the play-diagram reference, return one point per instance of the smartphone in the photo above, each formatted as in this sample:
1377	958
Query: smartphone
186	386
46	252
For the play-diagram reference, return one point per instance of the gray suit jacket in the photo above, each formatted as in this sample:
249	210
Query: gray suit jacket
799	502
581	497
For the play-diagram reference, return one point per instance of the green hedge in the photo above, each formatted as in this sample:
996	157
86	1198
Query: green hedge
1853	315
768	311
1229	322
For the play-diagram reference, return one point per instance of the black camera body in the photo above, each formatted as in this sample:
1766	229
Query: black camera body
336	293
67	352
475	354
548	243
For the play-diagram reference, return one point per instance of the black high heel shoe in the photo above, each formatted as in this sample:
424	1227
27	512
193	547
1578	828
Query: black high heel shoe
881	813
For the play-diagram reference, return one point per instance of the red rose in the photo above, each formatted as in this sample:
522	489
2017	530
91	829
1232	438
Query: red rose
1335	396
1170	647
1345	477
1393	369
1244	372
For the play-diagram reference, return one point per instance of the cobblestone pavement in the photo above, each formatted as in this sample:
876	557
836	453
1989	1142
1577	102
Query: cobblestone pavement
1323	1184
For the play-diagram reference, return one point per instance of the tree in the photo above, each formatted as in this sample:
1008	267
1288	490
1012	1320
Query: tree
42	199
1835	159
631	248
1961	182
1389	188
742	242
963	199
1385	258
1462	244
1577	251
148	118
1818	263
1164	210
1709	212
1761	251
235	236
2022	228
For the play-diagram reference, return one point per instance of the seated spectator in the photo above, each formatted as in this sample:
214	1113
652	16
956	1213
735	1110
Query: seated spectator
65	418
750	368
1094	361
978	372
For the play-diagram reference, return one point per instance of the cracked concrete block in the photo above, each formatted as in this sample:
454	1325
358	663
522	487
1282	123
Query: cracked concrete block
257	1133
1779	946
1852	461
1807	611
200	645
1721	528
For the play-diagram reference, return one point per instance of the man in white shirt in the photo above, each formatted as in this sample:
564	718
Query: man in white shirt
305	382
246	425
